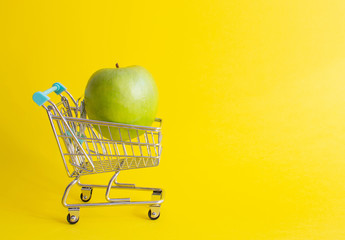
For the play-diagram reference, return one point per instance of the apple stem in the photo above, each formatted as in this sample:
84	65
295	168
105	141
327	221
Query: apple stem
117	65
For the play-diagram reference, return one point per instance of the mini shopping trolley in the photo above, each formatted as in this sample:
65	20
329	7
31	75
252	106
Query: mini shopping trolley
91	147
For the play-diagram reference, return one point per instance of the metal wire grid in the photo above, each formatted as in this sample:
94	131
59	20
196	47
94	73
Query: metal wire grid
139	150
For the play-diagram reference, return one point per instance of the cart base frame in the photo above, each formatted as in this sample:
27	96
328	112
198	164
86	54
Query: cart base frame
157	197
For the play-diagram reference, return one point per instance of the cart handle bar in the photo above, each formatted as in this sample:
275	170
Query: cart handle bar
41	97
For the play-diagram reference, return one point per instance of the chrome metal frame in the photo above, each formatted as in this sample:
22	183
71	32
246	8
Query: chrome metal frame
85	150
112	201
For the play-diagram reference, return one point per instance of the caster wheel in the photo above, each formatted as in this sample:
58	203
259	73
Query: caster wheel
72	219
154	217
86	198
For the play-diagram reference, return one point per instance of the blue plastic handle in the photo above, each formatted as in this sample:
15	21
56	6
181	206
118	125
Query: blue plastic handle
41	97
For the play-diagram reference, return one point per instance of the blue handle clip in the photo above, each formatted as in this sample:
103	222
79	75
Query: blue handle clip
41	97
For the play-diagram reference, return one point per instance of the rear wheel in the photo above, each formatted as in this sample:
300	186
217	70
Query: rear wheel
86	194
72	219
153	215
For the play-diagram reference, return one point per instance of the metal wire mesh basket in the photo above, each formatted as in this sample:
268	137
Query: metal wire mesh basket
124	146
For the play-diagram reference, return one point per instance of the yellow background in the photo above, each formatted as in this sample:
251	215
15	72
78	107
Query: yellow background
252	98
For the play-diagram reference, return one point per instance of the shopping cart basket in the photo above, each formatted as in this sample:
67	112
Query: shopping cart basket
85	150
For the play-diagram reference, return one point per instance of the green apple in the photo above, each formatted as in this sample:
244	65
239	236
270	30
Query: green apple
126	95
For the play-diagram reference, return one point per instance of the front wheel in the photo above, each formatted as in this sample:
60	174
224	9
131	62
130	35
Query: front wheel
153	215
72	219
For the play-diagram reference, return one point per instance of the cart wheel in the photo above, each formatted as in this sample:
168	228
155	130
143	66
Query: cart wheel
153	216
72	219
86	195
85	198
